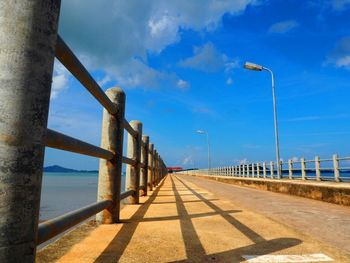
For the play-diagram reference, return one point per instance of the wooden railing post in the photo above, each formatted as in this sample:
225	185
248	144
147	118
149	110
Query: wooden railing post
264	169
110	171
150	167
28	31
258	170
253	170
144	161
133	172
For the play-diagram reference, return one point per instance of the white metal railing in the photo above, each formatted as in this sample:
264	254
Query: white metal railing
335	169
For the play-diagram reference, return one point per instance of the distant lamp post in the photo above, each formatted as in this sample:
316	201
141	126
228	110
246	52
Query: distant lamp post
208	142
252	66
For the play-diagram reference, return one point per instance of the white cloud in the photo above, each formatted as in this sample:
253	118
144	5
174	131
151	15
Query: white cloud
295	159
229	81
339	5
104	80
319	117
343	62
182	84
208	59
283	26
116	36
187	160
59	80
243	161
340	56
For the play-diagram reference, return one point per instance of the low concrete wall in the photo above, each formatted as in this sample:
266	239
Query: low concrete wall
332	192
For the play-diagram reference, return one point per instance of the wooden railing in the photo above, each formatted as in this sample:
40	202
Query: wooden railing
26	62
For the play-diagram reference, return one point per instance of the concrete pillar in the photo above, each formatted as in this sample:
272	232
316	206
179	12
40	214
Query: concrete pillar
144	160
303	168
280	166
264	169
271	169
28	32
290	169
318	168
155	168
150	167
110	171
336	168
133	172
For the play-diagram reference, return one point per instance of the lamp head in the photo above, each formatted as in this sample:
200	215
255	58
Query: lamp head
252	66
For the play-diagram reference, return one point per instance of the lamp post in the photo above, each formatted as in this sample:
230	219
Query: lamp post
209	161
252	66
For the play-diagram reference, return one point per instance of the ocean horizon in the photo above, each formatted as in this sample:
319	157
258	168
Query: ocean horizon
65	192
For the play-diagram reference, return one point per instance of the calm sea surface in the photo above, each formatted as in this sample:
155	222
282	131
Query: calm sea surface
65	192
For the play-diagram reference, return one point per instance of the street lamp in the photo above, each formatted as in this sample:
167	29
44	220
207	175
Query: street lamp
209	161
252	66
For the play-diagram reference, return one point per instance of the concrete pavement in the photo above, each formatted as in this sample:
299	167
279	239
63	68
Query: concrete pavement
184	222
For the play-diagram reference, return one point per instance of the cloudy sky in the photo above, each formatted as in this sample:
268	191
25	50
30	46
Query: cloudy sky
180	64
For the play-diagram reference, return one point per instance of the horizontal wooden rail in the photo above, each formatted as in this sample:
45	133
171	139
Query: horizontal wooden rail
129	161
129	129
61	141
53	227
65	55
126	194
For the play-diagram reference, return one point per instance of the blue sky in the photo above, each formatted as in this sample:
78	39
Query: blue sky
180	64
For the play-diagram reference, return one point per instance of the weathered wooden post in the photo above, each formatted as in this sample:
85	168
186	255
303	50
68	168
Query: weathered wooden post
28	32
248	169
110	171
336	168
258	169
253	170
290	169
271	169
144	161
303	168
133	171
318	168
150	167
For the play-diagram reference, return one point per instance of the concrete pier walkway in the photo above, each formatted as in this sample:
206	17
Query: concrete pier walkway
184	221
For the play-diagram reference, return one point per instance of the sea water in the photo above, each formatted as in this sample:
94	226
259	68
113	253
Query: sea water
65	192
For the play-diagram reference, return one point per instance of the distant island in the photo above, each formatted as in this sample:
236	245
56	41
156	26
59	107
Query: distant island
60	169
